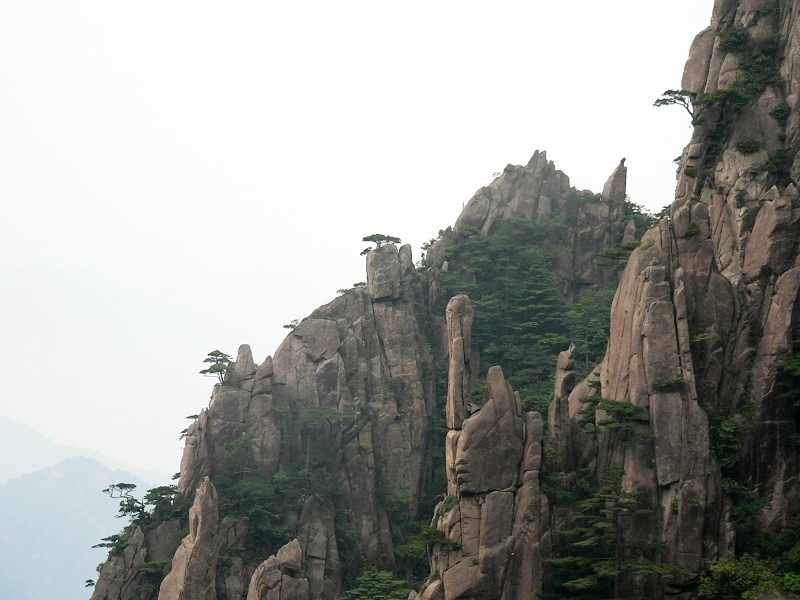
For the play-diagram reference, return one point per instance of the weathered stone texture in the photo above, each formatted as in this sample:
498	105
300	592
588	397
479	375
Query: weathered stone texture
363	356
193	574
540	192
495	515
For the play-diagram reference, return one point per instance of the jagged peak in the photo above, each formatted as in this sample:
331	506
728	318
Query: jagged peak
615	188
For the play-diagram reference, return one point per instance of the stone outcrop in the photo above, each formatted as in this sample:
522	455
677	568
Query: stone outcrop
705	313
305	568
596	223
362	359
193	574
119	578
279	577
494	519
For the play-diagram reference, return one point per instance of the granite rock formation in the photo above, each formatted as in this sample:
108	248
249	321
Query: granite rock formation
362	357
193	572
119	577
494	519
705	314
357	379
540	192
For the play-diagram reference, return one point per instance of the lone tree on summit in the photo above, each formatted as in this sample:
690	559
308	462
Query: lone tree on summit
379	240
220	365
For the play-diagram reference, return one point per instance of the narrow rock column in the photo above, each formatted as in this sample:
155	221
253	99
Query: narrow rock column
614	189
459	317
193	574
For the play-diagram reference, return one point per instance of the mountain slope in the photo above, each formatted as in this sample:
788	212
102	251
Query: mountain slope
677	449
49	521
33	451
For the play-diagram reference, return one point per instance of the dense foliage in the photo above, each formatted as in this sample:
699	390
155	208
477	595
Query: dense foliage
595	553
377	585
521	321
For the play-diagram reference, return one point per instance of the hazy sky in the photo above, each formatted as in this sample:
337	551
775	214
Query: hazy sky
179	177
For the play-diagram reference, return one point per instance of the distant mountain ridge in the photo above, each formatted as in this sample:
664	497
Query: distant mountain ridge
32	451
49	521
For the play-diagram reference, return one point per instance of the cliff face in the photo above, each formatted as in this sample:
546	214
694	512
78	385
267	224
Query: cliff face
539	192
353	382
682	428
345	411
704	316
494	520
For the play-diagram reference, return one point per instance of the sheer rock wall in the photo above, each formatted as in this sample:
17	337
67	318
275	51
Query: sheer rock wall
363	356
708	301
494	517
540	192
705	312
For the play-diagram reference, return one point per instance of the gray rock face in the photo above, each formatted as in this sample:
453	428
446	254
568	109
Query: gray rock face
524	192
279	578
459	316
302	569
614	189
193	574
494	518
540	192
383	273
119	578
703	315
361	356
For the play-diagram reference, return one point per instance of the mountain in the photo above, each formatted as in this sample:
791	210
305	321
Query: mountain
33	451
485	425
49	521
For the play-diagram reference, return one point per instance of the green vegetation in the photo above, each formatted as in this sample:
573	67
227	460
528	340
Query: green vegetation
787	382
778	163
781	113
577	199
748	146
745	577
642	218
379	240
596	553
157	504
676	98
734	40
519	315
666	386
377	585
617	417
152	572
220	365
621	251
521	321
725	442
246	491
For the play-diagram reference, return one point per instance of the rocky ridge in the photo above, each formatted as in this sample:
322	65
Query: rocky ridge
356	378
704	316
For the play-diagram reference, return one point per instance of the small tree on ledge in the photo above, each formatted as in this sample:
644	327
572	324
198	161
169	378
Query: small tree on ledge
220	365
379	240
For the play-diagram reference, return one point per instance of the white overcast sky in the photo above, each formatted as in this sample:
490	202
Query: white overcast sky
179	177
